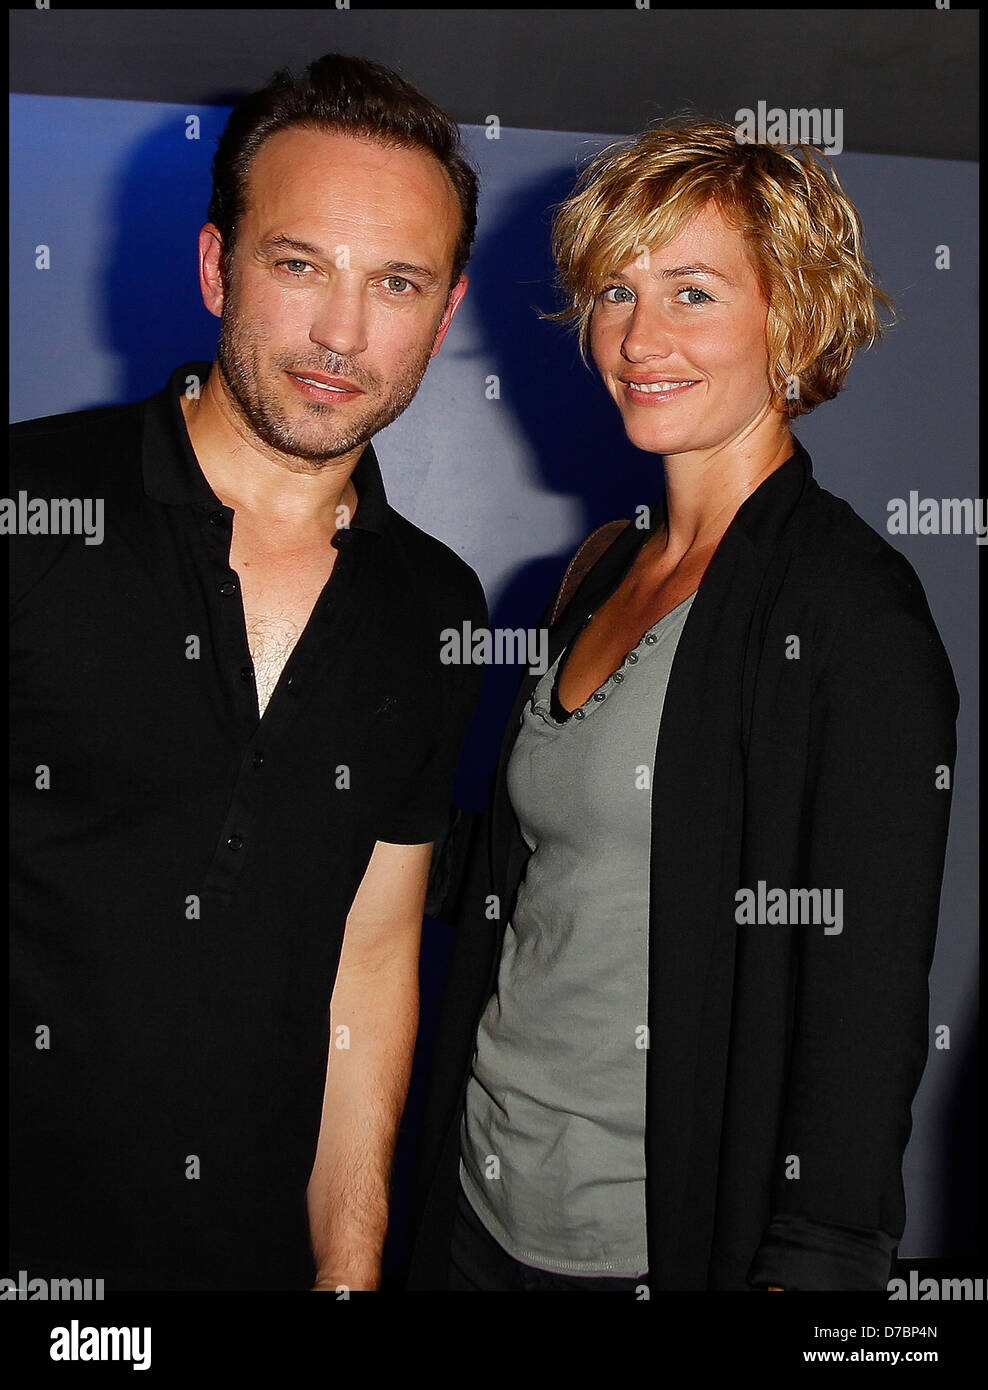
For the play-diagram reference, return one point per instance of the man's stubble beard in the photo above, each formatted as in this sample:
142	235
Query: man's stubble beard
237	357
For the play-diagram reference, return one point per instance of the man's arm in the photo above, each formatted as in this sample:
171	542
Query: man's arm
376	999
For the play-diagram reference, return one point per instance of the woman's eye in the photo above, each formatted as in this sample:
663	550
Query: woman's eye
620	294
617	289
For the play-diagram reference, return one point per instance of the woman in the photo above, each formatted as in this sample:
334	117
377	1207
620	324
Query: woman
687	1006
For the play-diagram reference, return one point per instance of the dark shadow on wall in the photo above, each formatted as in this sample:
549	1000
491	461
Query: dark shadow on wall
153	314
572	428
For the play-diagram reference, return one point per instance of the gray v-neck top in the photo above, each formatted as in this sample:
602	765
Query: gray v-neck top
553	1135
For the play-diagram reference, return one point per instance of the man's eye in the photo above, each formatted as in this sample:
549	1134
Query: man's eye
291	263
393	280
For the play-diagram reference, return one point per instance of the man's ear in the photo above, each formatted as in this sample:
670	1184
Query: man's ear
452	304
210	273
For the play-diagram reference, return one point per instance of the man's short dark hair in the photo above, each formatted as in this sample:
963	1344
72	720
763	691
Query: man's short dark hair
338	93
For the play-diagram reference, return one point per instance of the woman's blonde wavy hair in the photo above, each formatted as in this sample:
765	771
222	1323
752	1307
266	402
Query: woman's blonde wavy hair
803	235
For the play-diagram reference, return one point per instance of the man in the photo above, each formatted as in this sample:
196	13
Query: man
233	736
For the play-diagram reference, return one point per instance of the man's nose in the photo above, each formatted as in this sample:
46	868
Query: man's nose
340	323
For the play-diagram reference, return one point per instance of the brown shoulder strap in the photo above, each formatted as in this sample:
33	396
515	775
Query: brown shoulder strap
585	558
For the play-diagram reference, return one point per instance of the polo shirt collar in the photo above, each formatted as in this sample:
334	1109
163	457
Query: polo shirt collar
171	469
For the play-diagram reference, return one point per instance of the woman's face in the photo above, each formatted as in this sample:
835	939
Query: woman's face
691	313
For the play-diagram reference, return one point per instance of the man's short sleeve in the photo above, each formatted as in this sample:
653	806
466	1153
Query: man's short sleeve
419	811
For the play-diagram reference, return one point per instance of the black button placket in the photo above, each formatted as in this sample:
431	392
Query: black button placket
261	738
237	678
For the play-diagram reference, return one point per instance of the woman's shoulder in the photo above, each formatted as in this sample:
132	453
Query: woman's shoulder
866	601
831	540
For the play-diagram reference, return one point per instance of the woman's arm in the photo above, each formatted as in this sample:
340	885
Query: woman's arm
879	782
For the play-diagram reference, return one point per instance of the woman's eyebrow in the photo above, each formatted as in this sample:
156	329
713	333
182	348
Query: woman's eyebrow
699	269
680	270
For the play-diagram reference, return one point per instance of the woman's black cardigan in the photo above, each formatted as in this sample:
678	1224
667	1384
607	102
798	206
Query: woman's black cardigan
807	741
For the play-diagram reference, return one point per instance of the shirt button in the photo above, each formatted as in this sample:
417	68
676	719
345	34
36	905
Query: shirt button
618	677
632	657
599	695
217	519
578	714
235	842
246	673
258	759
650	637
228	586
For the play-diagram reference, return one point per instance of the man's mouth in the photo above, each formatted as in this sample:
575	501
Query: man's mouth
327	386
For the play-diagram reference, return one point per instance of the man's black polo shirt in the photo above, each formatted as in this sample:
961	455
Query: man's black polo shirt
182	872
